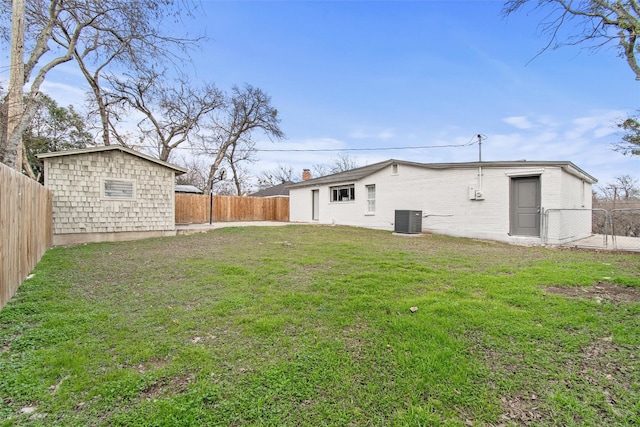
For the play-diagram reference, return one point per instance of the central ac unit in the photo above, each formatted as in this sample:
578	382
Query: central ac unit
408	222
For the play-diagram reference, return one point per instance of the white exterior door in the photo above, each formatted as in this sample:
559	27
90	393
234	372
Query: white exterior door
315	205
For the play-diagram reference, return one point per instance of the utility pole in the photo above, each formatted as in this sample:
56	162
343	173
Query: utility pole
15	108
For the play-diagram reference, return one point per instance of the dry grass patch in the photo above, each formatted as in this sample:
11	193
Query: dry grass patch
599	292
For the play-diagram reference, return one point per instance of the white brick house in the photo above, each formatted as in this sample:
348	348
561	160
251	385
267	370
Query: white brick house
109	193
501	201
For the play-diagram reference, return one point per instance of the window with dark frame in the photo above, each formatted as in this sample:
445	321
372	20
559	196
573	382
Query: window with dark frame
343	193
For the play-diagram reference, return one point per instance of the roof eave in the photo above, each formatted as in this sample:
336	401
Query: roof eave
89	150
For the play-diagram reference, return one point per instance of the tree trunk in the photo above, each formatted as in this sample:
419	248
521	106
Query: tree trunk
222	150
26	165
95	88
13	147
212	173
236	179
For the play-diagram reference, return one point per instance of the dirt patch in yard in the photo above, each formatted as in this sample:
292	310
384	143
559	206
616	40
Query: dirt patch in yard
168	386
601	291
522	410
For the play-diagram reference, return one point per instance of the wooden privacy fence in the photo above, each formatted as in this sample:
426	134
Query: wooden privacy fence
26	230
194	209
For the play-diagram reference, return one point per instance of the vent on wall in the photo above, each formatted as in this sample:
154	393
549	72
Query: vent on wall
118	189
408	222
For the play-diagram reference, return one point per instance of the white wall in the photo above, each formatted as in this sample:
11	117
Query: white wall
569	217
443	197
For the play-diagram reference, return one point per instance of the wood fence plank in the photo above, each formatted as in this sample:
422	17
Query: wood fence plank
26	230
194	209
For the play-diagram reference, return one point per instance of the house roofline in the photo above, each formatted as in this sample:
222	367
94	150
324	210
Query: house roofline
110	148
567	166
364	171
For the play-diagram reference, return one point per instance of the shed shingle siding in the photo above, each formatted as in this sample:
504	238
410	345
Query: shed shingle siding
85	200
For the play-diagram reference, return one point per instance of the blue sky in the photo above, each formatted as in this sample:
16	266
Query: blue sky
377	74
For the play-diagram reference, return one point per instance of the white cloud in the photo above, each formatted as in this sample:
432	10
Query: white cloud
520	122
585	140
548	137
598	125
604	131
382	134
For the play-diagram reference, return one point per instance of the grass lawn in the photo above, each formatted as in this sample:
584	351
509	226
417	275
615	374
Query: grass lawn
311	326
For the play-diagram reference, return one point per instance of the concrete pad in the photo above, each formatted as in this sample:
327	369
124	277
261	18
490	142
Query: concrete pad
203	228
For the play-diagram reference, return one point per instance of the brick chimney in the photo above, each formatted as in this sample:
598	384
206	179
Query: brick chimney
306	174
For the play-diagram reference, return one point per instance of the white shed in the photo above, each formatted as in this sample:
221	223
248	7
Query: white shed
109	193
501	201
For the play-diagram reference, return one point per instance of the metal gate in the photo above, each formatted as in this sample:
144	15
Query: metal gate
625	228
618	229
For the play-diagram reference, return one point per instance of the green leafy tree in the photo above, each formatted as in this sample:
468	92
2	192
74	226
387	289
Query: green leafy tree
53	128
630	144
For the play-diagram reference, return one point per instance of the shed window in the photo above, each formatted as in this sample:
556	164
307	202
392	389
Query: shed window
343	193
118	189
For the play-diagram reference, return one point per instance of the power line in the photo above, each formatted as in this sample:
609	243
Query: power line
476	139
309	150
420	147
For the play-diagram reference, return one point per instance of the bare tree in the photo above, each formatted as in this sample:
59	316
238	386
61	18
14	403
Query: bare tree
279	175
224	188
343	162
622	188
321	169
133	40
173	112
599	22
57	31
247	110
196	173
622	198
237	156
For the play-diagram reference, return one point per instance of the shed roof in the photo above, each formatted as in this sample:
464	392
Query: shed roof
91	150
183	188
364	171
